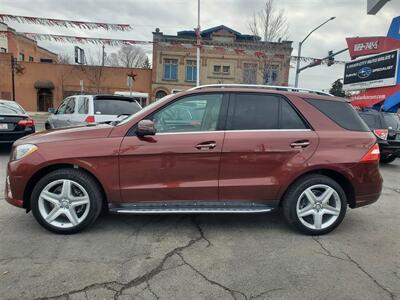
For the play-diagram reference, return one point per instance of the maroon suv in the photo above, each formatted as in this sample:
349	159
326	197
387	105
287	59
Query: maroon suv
208	150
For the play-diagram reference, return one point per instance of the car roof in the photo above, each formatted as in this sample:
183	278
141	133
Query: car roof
248	89
112	97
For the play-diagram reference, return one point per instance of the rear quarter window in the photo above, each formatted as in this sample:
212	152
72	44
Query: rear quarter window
342	113
115	107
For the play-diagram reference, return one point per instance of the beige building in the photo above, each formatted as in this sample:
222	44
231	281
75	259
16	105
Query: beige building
227	56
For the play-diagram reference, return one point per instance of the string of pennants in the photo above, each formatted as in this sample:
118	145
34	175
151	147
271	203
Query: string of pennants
65	23
120	42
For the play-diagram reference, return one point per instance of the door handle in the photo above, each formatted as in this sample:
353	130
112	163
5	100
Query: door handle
300	144
206	145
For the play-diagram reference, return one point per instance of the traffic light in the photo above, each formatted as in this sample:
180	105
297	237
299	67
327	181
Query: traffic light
331	59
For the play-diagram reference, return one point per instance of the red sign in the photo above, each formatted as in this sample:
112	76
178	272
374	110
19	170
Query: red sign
360	46
371	97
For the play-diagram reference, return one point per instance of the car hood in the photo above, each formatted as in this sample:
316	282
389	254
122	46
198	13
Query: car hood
67	134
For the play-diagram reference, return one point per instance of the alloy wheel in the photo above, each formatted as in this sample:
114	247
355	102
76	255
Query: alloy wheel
64	203
318	207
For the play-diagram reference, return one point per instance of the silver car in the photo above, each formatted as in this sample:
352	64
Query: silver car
84	109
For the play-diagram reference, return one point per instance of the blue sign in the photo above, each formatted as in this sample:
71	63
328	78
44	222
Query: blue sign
394	29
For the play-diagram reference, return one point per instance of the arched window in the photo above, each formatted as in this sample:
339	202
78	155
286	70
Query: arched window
160	94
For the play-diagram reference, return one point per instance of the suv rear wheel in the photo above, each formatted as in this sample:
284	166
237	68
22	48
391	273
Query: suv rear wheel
315	204
66	201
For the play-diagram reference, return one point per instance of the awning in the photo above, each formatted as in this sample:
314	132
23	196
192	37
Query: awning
392	103
44	84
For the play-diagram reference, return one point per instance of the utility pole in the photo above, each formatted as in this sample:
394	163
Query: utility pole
12	77
198	42
103	57
296	82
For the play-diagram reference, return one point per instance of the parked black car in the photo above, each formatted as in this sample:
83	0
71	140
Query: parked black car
14	122
386	127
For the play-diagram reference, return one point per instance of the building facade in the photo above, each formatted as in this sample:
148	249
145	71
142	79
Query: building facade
23	48
227	56
39	85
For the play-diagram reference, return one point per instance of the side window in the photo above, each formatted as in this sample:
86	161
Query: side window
61	108
83	105
255	111
70	108
193	113
289	118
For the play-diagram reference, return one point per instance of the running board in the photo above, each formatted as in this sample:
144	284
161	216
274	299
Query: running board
190	208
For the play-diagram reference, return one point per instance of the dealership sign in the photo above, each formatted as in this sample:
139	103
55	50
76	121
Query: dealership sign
376	71
360	46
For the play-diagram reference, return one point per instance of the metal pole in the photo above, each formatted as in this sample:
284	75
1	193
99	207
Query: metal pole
102	58
12	77
198	46
296	81
299	50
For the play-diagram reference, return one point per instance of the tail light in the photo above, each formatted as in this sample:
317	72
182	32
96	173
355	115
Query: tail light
28	122
373	154
89	119
381	133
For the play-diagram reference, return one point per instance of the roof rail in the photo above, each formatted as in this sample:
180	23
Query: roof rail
257	86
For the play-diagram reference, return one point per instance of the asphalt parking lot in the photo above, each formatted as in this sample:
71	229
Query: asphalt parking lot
205	256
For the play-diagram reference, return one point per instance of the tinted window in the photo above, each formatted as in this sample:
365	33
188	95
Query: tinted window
372	120
193	113
342	113
115	107
289	118
10	108
70	108
83	106
255	111
392	120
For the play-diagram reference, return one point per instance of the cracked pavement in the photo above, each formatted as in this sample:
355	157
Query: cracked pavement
204	256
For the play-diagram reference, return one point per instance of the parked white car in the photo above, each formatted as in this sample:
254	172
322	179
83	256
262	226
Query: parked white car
84	109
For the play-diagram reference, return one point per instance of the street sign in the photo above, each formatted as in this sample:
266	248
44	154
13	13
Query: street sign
376	71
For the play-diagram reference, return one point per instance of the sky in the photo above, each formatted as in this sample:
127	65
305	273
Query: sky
176	15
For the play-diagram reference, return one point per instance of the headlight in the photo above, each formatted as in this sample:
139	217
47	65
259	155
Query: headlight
23	150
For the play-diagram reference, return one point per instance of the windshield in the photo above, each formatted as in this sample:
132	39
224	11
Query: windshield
393	121
10	108
147	108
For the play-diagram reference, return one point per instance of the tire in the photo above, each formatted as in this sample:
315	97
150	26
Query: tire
59	194
387	159
47	126
305	216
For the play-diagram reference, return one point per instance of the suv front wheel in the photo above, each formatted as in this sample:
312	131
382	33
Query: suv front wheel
66	201
315	204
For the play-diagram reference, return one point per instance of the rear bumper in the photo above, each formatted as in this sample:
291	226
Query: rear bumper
389	147
367	183
12	136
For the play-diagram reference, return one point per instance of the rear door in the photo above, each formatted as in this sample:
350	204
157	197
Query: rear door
266	139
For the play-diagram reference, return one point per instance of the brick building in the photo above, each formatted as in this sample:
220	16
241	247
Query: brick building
227	56
39	86
23	48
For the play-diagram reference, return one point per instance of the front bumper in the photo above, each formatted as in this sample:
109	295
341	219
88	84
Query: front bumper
10	190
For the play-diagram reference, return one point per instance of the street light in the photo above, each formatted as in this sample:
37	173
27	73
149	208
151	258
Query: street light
296	82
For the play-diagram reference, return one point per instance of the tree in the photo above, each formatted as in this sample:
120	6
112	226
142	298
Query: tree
269	24
337	89
64	58
131	56
146	64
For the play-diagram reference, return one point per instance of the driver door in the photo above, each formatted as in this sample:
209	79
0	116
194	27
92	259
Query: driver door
181	162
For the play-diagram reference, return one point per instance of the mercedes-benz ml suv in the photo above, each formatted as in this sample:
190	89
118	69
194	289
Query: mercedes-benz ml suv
212	149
